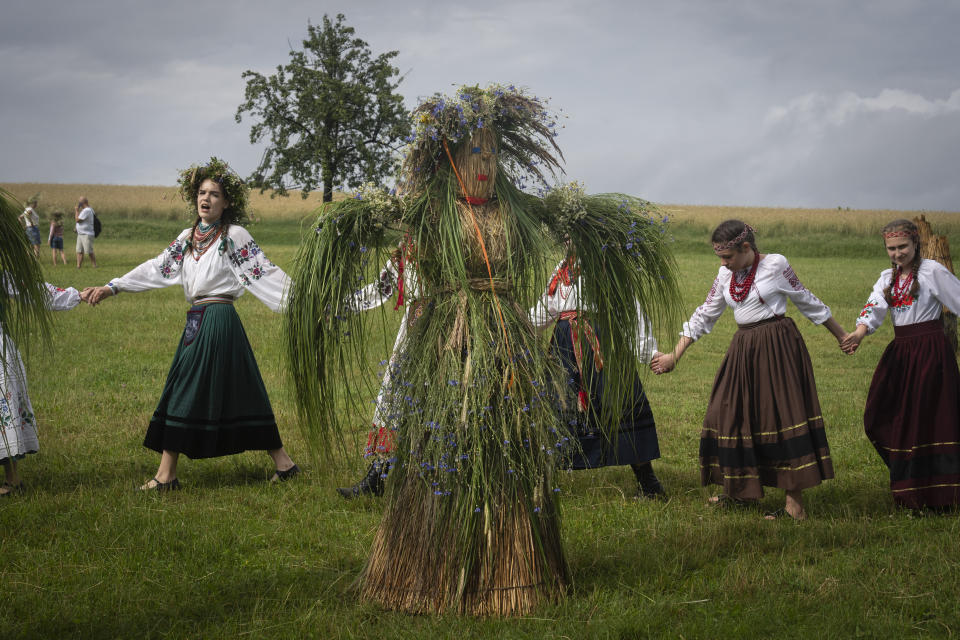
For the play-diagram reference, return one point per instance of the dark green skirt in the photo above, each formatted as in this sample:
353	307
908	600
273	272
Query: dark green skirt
214	402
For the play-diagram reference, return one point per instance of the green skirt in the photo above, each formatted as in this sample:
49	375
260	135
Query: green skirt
214	402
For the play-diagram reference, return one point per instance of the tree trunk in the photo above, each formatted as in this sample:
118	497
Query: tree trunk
327	177
938	248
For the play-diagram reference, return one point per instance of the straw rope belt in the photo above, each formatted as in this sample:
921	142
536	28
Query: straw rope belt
498	285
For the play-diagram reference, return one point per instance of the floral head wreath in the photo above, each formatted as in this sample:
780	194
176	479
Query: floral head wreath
234	189
523	124
736	242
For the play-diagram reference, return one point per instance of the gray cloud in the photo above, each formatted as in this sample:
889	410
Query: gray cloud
724	102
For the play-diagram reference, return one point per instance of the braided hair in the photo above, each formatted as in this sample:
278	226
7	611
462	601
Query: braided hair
908	229
733	234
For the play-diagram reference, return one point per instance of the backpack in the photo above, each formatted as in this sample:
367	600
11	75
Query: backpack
97	227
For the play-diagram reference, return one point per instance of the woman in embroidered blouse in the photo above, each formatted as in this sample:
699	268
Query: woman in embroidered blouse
18	425
912	415
396	276
763	425
214	401
574	342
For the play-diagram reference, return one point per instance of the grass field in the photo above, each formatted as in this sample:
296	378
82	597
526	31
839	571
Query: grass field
84	555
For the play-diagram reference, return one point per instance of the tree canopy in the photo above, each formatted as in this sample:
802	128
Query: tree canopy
331	115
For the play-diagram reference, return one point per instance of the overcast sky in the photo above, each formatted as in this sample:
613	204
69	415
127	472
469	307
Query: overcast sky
817	103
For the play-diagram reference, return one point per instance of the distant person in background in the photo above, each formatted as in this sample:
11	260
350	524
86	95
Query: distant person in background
55	238
31	219
912	415
84	218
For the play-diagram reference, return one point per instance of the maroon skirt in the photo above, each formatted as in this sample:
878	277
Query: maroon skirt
763	425
912	416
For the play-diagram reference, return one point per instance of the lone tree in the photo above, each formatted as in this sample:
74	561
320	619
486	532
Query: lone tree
331	114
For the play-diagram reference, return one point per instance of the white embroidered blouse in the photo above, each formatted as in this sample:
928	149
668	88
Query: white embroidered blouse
377	293
233	266
938	287
773	284
566	297
58	298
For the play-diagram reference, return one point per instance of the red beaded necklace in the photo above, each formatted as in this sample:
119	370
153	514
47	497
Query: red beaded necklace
900	291
740	290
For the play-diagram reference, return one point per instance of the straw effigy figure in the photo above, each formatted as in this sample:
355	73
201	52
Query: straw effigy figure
471	522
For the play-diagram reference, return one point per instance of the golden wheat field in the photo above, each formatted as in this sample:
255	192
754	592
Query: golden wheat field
779	219
126	201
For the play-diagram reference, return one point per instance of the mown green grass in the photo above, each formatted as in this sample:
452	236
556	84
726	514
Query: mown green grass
84	555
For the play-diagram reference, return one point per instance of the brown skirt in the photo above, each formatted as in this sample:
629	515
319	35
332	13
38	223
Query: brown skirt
912	416
763	425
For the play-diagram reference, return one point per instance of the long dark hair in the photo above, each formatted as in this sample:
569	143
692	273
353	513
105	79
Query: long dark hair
904	226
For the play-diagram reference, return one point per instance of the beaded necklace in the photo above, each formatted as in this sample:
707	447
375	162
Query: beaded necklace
740	290
900	291
204	236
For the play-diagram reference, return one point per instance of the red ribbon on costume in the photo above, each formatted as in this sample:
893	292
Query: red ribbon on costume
380	440
475	200
562	275
399	284
587	332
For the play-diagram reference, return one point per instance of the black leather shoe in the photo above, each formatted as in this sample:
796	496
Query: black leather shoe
283	476
173	485
371	484
648	485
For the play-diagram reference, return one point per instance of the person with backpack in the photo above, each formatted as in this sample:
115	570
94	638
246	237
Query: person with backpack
85	217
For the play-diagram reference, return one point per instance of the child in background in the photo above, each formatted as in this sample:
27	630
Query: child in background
55	238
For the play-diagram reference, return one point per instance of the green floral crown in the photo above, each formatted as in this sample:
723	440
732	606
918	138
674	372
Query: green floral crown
524	126
234	189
